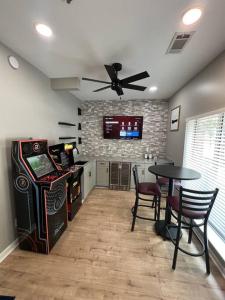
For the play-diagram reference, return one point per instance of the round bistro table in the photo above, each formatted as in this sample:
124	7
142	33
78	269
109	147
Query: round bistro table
172	173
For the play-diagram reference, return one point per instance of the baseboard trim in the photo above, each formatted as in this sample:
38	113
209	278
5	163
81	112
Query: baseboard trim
214	255
216	260
8	250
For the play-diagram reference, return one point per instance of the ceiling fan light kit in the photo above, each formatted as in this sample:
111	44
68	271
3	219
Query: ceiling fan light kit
117	84
153	89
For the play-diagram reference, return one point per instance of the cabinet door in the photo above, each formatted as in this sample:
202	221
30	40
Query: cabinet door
102	173
125	174
89	178
86	181
149	177
114	173
93	174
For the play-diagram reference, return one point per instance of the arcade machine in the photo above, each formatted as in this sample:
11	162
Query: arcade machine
63	155
40	196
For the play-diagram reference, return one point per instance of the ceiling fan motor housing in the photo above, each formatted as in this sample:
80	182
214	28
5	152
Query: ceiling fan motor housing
115	84
117	66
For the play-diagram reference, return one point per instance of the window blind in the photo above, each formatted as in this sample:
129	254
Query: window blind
204	151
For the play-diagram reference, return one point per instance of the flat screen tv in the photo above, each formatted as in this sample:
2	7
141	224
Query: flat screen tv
122	127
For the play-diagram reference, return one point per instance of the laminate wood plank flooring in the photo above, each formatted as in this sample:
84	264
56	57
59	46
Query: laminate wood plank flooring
98	258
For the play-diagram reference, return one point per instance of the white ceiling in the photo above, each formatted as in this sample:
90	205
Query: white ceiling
136	33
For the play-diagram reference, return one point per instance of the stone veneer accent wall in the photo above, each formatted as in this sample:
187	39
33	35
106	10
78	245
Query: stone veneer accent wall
155	116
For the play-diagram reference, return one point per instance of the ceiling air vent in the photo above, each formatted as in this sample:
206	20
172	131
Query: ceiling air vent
179	41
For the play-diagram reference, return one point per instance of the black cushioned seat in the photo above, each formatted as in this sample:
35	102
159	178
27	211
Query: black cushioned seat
149	188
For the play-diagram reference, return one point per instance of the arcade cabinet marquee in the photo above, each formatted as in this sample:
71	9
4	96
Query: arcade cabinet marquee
40	195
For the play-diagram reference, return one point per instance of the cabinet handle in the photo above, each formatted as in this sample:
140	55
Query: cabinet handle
90	174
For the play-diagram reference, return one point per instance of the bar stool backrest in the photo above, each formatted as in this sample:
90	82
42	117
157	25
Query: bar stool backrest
163	163
136	179
196	203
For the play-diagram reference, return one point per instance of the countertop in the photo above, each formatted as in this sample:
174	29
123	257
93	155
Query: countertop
128	159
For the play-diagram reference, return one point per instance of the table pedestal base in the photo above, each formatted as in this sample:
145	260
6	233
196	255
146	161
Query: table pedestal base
160	228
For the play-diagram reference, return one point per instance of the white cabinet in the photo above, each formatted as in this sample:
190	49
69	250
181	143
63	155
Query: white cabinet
114	174
143	174
88	180
102	173
93	174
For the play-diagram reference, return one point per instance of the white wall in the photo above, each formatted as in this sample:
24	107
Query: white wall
29	108
204	93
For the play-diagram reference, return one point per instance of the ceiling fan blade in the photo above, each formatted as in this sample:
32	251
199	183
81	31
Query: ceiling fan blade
112	73
94	80
134	87
104	88
136	77
119	91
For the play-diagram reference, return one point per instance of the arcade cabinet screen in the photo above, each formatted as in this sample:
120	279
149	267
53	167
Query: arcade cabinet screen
41	165
123	127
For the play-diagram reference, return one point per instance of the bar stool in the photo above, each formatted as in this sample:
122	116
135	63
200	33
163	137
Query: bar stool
192	205
147	189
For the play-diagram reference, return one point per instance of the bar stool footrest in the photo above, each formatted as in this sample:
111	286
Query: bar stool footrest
140	217
183	250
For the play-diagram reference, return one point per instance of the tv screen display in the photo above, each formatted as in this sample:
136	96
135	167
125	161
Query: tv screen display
122	127
40	165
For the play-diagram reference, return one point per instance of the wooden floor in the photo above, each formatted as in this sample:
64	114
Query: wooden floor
99	258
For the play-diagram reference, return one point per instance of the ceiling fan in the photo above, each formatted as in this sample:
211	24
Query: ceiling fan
118	85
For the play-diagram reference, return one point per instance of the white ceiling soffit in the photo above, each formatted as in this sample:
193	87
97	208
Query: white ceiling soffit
88	34
65	84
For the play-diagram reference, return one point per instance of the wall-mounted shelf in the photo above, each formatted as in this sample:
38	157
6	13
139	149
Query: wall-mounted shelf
66	124
67	137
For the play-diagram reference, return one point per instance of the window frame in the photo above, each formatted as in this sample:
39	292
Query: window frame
216	249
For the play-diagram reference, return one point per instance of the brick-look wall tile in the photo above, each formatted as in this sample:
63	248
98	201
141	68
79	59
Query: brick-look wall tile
155	115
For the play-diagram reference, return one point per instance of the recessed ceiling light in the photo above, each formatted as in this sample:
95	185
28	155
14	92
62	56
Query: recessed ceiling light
153	89
43	30
192	16
13	62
